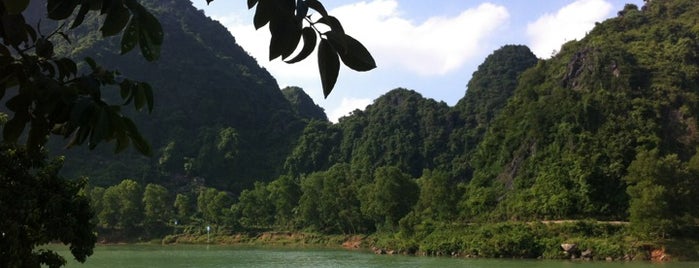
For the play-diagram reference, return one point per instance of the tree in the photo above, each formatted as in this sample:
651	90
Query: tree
156	208
183	208
391	196
213	205
661	191
123	205
39	207
49	95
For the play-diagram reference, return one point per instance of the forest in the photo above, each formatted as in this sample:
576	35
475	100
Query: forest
602	138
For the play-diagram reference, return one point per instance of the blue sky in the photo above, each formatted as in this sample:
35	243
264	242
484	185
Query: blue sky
432	47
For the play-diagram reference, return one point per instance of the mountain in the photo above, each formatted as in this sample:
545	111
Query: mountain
563	145
303	105
219	117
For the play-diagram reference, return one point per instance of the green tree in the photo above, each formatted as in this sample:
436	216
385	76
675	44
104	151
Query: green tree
662	193
183	208
330	203
157	211
34	200
284	194
214	205
47	95
437	200
255	207
123	206
391	196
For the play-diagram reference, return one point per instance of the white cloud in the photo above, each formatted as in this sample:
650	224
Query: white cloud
433	47
348	105
571	22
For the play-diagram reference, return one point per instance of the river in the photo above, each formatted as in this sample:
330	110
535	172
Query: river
153	256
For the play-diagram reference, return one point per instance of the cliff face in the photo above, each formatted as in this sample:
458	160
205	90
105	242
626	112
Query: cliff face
219	117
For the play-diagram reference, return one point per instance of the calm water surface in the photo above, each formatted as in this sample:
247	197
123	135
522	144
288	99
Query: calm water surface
221	256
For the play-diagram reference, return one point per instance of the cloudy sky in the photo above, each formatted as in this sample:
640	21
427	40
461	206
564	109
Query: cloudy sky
430	46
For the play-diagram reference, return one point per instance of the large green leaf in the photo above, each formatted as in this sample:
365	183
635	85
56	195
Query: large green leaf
15	7
328	65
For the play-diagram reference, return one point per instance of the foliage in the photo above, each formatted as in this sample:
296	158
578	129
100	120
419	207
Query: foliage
390	197
34	202
286	20
661	191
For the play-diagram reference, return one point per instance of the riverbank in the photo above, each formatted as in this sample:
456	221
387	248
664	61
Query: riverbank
577	240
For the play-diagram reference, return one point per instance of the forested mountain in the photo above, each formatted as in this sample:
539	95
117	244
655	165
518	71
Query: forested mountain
219	117
604	130
303	105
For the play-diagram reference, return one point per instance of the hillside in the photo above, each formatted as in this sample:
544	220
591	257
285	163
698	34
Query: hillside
219	118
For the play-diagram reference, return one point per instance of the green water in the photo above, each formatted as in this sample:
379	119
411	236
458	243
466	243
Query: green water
220	256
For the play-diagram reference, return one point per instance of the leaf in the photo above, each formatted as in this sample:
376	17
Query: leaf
251	3
148	93
14	7
286	34
14	127
92	63
60	9
309	43
301	9
353	54
14	28
130	36
150	35
139	98
328	65
117	18
81	16
333	23
317	6
263	14
138	141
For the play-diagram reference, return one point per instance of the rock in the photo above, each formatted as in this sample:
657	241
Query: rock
609	259
569	248
587	254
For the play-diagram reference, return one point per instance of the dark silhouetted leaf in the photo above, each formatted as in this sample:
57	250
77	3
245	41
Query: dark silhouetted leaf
14	7
251	3
263	14
117	18
61	9
81	16
309	43
333	23
328	65
150	36
286	34
148	93
353	54
138	141
130	36
14	28
14	127
301	9
317	6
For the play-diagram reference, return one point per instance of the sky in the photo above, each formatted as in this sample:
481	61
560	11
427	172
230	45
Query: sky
430	46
